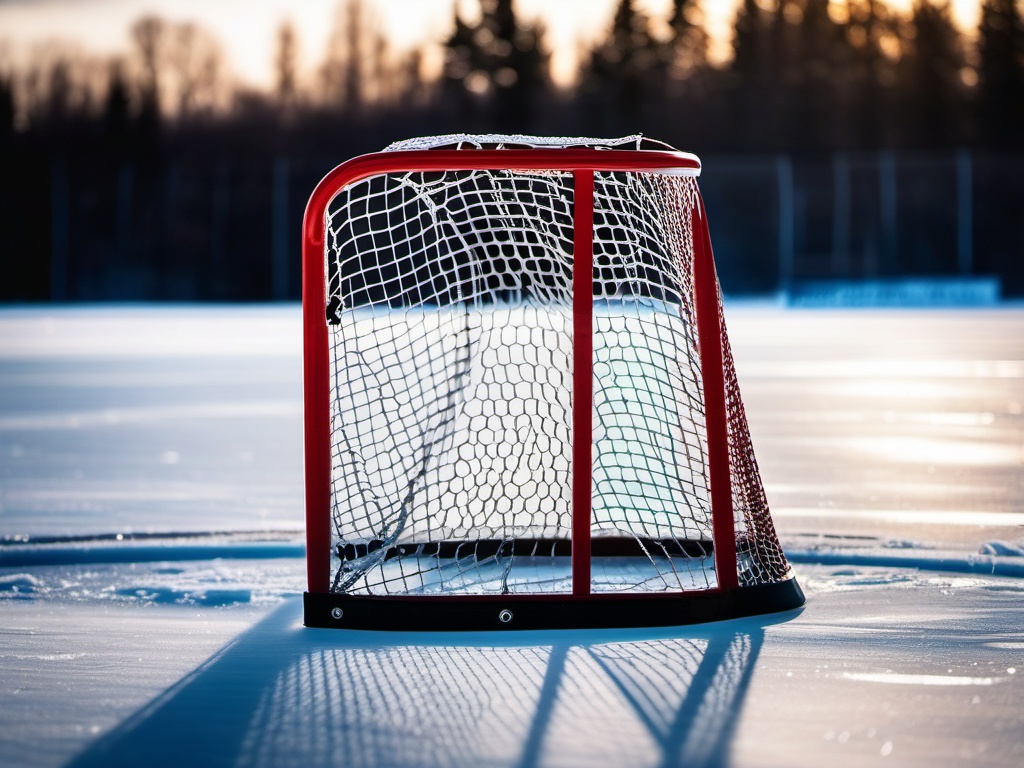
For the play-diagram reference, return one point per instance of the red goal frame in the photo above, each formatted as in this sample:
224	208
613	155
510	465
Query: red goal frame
725	600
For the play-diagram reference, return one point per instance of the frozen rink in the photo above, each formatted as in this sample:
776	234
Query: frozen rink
151	520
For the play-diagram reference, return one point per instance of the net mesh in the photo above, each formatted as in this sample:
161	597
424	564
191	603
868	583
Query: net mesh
450	314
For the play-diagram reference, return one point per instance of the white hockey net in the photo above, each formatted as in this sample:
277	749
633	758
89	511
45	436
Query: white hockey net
449	301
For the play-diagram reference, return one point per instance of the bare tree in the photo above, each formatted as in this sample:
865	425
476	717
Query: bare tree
195	65
59	82
286	83
411	87
147	37
345	71
180	68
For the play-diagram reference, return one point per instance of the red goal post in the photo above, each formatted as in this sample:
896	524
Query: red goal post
724	599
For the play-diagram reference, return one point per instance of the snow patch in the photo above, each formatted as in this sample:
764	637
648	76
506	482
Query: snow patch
212	584
19	584
1002	548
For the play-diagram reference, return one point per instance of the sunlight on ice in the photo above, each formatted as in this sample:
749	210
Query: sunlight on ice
895	678
908	516
957	453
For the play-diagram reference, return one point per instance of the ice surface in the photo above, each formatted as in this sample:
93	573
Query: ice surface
892	444
126	419
181	419
918	666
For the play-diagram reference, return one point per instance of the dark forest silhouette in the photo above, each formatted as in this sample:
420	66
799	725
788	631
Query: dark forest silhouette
152	175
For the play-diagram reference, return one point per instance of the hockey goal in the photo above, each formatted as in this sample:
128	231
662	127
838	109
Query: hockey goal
521	408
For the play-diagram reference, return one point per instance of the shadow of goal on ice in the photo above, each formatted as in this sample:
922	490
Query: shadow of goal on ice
521	408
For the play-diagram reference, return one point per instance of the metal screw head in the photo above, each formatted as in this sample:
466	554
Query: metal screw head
505	616
337	613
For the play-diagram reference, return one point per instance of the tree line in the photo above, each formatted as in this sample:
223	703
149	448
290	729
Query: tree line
803	75
95	149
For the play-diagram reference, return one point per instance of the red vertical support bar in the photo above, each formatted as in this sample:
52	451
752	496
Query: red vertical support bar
709	330
582	375
316	393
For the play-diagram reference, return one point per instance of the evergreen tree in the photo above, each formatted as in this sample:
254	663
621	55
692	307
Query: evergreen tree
793	77
496	72
461	55
932	86
821	77
688	46
520	66
689	113
623	79
749	40
116	108
871	75
754	84
7	111
1001	73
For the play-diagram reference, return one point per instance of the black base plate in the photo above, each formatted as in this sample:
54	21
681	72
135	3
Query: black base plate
510	612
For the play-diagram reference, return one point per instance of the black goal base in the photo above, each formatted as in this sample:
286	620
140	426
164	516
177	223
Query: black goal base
511	612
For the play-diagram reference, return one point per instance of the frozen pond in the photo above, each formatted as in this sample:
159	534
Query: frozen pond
893	424
158	451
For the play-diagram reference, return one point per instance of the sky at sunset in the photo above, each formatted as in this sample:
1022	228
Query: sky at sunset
246	28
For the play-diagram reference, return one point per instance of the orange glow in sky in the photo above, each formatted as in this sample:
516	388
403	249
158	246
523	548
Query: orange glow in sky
246	28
